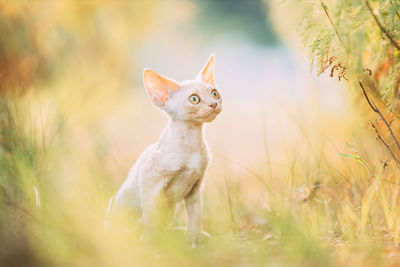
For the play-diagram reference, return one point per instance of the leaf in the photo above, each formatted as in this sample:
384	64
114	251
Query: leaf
359	159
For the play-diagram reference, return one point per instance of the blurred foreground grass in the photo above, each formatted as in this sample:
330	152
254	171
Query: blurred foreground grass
317	208
303	204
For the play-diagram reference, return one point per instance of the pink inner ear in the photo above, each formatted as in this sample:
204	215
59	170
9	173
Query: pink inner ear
164	99
209	80
159	87
159	99
208	71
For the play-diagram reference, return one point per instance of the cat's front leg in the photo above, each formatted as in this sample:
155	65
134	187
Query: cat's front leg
150	195
193	203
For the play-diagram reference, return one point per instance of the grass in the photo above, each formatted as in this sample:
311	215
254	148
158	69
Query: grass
316	189
320	205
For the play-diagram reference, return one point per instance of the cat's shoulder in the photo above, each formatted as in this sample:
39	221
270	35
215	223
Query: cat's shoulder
147	154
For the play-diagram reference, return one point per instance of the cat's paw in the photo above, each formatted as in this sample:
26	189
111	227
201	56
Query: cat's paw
196	240
205	235
147	236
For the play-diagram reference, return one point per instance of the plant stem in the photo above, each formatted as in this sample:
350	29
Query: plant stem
381	27
330	20
376	110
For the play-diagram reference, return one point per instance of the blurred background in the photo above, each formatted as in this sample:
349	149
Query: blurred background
74	117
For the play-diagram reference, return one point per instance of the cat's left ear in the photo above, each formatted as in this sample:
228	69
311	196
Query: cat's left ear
207	73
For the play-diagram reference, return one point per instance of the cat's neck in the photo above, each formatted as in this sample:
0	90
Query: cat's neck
186	128
185	133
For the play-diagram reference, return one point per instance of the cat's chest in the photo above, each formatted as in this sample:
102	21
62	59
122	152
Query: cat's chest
189	171
186	155
190	163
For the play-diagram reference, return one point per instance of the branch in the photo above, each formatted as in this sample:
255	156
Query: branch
372	105
376	110
381	27
330	20
386	145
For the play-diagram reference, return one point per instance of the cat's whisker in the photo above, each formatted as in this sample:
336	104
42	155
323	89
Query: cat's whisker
206	113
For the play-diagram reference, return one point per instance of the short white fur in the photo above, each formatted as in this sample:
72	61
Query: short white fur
172	169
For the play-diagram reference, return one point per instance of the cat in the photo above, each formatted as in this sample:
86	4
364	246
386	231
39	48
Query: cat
172	169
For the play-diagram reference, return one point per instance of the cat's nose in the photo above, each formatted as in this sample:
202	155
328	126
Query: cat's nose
213	105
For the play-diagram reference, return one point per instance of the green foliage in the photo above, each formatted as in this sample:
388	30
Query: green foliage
20	155
358	158
22	169
345	32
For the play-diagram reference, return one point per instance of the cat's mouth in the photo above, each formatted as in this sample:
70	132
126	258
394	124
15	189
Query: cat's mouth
215	111
209	116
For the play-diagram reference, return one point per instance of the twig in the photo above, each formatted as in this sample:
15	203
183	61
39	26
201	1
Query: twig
330	20
368	70
381	27
386	145
376	110
372	105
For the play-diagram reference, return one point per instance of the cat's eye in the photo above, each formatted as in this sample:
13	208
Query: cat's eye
215	93
194	99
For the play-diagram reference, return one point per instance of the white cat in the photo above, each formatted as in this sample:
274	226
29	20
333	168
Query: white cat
172	169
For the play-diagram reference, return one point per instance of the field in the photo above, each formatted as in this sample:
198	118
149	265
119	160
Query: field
298	177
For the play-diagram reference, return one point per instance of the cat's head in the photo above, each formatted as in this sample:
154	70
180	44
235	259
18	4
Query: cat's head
195	100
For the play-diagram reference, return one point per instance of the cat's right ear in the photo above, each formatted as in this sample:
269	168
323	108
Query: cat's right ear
158	87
